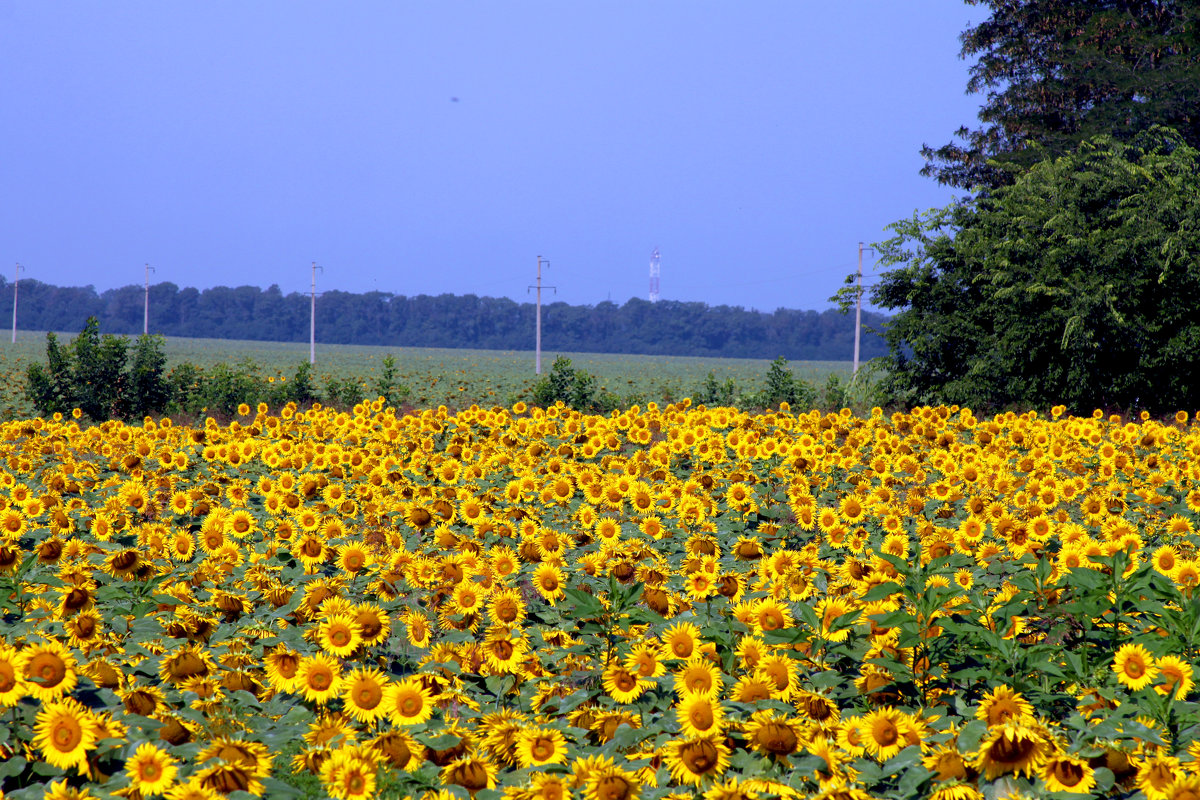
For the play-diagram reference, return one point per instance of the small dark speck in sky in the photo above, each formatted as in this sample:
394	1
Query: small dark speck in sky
453	99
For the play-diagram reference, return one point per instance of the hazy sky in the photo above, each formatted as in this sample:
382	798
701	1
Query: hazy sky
429	147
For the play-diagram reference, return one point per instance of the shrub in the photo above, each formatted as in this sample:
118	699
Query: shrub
575	388
91	374
388	386
784	387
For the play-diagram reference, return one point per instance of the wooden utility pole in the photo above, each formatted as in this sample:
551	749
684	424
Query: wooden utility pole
858	309
146	309
16	281
312	317
537	358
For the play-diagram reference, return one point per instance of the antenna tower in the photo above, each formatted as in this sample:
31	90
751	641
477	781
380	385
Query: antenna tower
654	272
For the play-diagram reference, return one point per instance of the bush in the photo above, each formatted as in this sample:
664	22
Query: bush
784	387
716	393
345	392
91	374
575	388
388	386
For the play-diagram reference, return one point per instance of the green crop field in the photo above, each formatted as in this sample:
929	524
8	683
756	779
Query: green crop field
437	376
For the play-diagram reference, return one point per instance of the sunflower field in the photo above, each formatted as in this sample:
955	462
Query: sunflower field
664	602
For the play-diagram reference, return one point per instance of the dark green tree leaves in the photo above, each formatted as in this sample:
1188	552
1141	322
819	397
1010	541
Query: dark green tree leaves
1056	72
1076	284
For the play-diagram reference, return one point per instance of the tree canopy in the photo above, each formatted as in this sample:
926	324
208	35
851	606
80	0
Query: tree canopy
1056	72
667	327
1075	284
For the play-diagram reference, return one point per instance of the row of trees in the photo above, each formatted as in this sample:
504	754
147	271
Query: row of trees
110	377
465	321
1071	272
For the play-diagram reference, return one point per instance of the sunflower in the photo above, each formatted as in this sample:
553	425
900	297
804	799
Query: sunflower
47	670
61	790
752	688
240	524
1156	773
418	629
834	613
12	685
399	750
536	747
468	598
622	685
1175	676
700	715
504	648
772	735
1064	773
189	661
145	701
1134	667
1001	705
419	517
319	678
698	676
885	732
680	641
349	773
781	674
610	782
472	771
548	580
65	731
771	615
692	761
645	660
409	702
151	770
946	763
353	558
548	786
340	635
956	791
373	622
283	669
363	692
1014	747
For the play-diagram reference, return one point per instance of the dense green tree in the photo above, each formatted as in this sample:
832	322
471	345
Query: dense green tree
1076	284
377	318
1056	72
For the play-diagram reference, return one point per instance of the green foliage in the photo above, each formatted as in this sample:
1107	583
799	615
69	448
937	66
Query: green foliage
716	393
784	387
446	321
574	387
346	392
1056	72
388	385
148	391
1077	284
302	388
91	374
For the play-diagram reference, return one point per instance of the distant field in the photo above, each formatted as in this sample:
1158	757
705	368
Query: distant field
437	376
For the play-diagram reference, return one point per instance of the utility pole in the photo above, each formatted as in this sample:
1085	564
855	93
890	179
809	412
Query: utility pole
146	310
537	359
16	281
858	309
312	317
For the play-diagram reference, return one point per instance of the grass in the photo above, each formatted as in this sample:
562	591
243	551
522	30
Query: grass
438	376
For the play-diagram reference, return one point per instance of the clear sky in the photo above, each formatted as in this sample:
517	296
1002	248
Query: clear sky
430	147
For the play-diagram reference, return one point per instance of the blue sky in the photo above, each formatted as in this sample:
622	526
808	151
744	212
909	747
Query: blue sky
421	148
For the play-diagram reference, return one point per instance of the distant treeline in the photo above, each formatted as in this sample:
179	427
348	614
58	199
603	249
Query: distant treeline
466	321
